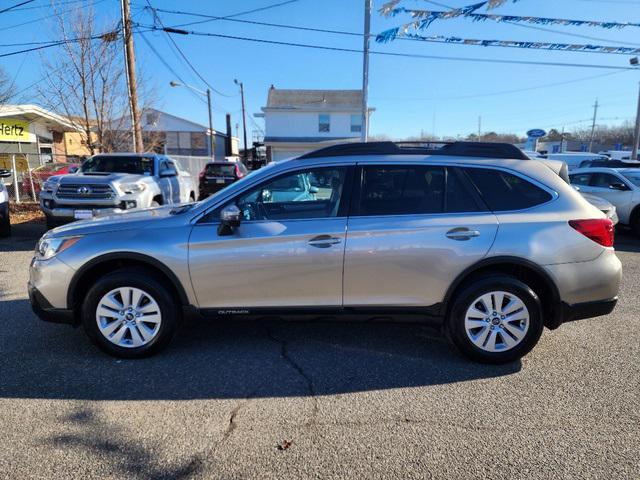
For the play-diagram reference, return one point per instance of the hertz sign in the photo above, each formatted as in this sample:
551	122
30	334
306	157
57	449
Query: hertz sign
14	130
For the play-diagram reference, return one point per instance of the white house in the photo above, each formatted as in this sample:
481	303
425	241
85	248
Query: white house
298	121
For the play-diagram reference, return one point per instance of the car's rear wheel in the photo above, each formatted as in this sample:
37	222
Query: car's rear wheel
130	314
495	319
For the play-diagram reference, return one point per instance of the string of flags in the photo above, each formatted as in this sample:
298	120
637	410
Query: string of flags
426	17
391	34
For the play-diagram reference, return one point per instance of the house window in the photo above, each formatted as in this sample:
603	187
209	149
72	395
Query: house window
324	123
356	123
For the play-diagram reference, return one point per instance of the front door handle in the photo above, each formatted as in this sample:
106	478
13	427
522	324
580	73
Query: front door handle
462	233
324	241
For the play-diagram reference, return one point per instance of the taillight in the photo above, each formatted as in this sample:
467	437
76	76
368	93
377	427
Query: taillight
600	230
239	174
202	173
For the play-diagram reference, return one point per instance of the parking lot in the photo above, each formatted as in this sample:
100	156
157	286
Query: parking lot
266	399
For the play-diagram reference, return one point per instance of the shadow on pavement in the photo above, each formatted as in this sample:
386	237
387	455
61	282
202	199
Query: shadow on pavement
263	358
626	241
23	237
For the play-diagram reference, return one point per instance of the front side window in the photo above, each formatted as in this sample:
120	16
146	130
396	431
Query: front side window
356	123
633	178
604	180
503	191
324	122
580	178
314	193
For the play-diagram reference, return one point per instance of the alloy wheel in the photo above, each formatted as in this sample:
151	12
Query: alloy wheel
128	317
497	321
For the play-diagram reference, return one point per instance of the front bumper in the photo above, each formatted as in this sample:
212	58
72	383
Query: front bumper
45	311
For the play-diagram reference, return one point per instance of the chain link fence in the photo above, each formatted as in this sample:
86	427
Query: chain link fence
29	171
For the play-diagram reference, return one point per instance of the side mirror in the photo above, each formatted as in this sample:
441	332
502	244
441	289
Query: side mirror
229	219
5	173
168	172
618	186
576	188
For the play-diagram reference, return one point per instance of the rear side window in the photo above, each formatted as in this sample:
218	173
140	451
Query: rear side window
580	178
401	190
503	191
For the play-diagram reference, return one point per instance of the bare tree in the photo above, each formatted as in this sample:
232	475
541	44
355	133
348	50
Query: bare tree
7	85
85	81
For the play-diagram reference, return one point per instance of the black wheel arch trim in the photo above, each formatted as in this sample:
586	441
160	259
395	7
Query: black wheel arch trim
139	257
501	260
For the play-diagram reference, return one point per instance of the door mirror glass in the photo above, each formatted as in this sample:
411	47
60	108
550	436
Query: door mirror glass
5	173
618	186
229	219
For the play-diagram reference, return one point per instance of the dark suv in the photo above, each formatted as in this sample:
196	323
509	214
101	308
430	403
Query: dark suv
217	175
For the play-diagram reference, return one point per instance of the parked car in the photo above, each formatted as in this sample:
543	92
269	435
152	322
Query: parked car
618	154
601	204
41	174
476	237
609	164
574	159
115	183
217	175
621	187
5	217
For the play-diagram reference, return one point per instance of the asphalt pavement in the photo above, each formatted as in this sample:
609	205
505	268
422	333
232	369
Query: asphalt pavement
269	399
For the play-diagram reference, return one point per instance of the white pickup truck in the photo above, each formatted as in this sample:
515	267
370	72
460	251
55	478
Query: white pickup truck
115	183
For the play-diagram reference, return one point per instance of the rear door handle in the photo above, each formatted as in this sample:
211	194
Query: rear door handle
324	241
462	233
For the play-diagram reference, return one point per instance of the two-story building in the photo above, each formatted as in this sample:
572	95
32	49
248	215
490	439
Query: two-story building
298	121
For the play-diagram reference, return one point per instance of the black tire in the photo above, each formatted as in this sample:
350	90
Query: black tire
455	323
192	197
148	282
5	224
635	223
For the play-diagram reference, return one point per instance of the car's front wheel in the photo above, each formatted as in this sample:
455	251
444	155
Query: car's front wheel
495	319
129	313
5	224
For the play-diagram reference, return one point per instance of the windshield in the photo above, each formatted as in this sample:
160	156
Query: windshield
633	178
118	164
220	170
242	181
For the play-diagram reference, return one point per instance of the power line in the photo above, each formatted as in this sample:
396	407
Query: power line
48	5
16	5
167	66
396	54
194	69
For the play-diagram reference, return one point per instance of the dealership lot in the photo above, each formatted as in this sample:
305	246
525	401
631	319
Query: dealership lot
266	399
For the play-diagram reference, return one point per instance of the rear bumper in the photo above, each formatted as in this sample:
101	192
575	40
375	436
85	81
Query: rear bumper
580	311
45	311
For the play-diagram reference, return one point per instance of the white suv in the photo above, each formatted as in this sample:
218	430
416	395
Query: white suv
620	186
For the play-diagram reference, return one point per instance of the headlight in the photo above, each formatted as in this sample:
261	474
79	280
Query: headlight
133	187
50	247
49	186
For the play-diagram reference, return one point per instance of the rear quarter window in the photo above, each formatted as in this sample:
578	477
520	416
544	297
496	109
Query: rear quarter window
504	191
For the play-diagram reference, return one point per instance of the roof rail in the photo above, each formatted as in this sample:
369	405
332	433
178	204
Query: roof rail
454	149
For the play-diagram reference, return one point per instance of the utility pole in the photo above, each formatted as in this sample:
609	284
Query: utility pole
562	140
130	62
244	121
212	135
479	127
364	133
593	124
636	134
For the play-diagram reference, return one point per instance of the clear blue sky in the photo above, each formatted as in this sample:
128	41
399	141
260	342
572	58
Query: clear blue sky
410	95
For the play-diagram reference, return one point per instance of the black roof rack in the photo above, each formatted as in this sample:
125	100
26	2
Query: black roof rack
456	149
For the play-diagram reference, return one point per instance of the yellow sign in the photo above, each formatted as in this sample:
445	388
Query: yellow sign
14	130
6	162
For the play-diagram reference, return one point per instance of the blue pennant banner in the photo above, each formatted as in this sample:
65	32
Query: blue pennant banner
399	32
426	17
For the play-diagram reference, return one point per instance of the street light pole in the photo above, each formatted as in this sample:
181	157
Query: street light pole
636	133
364	133
212	142
244	119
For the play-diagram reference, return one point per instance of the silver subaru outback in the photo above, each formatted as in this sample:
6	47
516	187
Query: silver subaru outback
476	237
